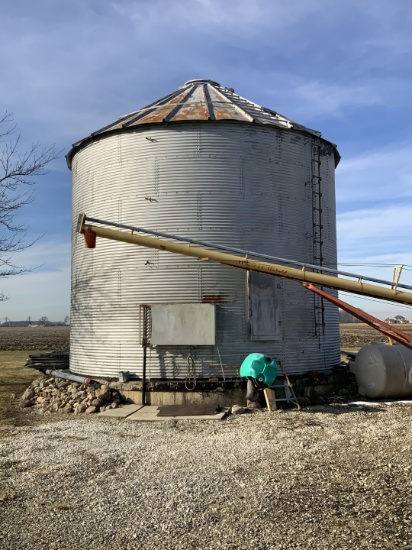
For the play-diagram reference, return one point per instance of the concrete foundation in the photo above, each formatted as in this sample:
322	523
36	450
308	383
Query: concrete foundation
313	389
218	398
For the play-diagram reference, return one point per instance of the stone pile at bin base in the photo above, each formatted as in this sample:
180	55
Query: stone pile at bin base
56	395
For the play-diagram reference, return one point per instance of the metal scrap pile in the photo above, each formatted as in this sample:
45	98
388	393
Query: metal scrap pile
53	360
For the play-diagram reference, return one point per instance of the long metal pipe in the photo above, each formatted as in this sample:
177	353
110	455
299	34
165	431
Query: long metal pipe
388	330
248	253
203	254
68	376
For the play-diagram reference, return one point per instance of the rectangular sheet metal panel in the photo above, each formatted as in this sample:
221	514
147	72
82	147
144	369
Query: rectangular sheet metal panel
183	325
264	308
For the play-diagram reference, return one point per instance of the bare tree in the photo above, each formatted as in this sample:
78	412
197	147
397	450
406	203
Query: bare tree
17	172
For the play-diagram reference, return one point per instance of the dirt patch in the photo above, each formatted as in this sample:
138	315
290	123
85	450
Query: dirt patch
34	338
355	335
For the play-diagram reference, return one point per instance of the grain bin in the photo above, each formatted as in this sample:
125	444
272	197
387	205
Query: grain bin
207	164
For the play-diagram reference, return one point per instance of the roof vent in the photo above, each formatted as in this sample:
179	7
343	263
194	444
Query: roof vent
201	81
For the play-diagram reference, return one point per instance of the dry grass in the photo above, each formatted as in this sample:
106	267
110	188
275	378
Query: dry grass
16	344
14	379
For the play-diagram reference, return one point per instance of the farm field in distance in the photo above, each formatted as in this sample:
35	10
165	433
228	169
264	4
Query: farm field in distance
353	337
34	338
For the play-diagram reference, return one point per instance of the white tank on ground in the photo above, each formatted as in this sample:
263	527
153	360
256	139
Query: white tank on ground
384	371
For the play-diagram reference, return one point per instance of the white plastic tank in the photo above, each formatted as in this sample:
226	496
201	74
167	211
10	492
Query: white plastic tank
384	371
206	164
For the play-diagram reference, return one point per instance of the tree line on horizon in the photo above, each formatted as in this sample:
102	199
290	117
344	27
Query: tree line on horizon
345	317
29	322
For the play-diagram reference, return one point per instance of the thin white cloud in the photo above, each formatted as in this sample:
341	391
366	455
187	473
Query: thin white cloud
381	309
232	16
312	99
382	174
370	243
320	98
376	222
46	255
63	78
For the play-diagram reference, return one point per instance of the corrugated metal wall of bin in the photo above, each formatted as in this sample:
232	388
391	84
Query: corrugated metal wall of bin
233	184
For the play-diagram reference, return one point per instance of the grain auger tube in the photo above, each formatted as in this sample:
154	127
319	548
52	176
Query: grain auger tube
207	252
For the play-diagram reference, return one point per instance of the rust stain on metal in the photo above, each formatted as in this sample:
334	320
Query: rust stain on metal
223	113
214	299
161	113
118	125
192	111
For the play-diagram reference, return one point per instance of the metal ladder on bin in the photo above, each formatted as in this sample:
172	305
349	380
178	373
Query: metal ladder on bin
317	229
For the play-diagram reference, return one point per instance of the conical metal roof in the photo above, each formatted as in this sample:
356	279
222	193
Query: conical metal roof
199	100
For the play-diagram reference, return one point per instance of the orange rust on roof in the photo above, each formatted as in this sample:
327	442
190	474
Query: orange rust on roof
229	112
121	124
192	111
188	103
161	112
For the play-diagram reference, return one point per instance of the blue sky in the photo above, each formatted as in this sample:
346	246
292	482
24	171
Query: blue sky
341	67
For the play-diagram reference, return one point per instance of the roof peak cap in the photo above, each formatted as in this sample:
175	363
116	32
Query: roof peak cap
200	81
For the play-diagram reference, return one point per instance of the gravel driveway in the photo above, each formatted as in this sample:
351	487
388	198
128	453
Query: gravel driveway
322	478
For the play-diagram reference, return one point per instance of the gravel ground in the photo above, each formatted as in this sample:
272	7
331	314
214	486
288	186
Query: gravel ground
322	478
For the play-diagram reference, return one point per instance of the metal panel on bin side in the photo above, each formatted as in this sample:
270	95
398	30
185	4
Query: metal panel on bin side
264	308
183	325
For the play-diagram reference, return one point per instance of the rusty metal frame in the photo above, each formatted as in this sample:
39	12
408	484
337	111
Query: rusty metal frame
389	330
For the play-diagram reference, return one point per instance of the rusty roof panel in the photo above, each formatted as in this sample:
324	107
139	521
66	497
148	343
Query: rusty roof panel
199	100
225	109
195	108
161	112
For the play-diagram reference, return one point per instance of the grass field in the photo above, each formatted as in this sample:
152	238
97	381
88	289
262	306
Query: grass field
14	379
16	343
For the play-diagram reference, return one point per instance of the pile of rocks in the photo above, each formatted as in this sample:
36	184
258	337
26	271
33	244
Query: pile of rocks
56	395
